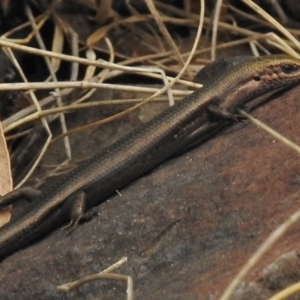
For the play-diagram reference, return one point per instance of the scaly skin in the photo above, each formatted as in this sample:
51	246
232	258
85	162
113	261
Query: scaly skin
145	148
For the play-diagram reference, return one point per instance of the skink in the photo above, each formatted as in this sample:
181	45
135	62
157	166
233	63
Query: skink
139	152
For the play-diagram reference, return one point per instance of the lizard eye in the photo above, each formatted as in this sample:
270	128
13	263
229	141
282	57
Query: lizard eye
288	68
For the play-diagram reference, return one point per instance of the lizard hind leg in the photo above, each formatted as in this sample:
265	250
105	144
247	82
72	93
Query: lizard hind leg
75	207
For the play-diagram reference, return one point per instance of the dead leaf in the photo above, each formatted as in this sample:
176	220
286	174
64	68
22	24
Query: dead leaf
6	183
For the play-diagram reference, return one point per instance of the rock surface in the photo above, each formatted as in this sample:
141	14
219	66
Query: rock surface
187	227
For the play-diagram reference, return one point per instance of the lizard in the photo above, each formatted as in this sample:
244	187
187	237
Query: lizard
140	151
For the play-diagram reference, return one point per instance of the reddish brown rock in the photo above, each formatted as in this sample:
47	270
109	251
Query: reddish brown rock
187	228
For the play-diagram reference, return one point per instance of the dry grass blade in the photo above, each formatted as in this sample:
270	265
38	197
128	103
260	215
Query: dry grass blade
272	21
272	132
38	108
215	28
57	45
105	274
165	32
90	70
40	21
57	91
286	293
68	30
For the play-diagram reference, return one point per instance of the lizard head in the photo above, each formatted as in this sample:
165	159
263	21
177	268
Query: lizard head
278	68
